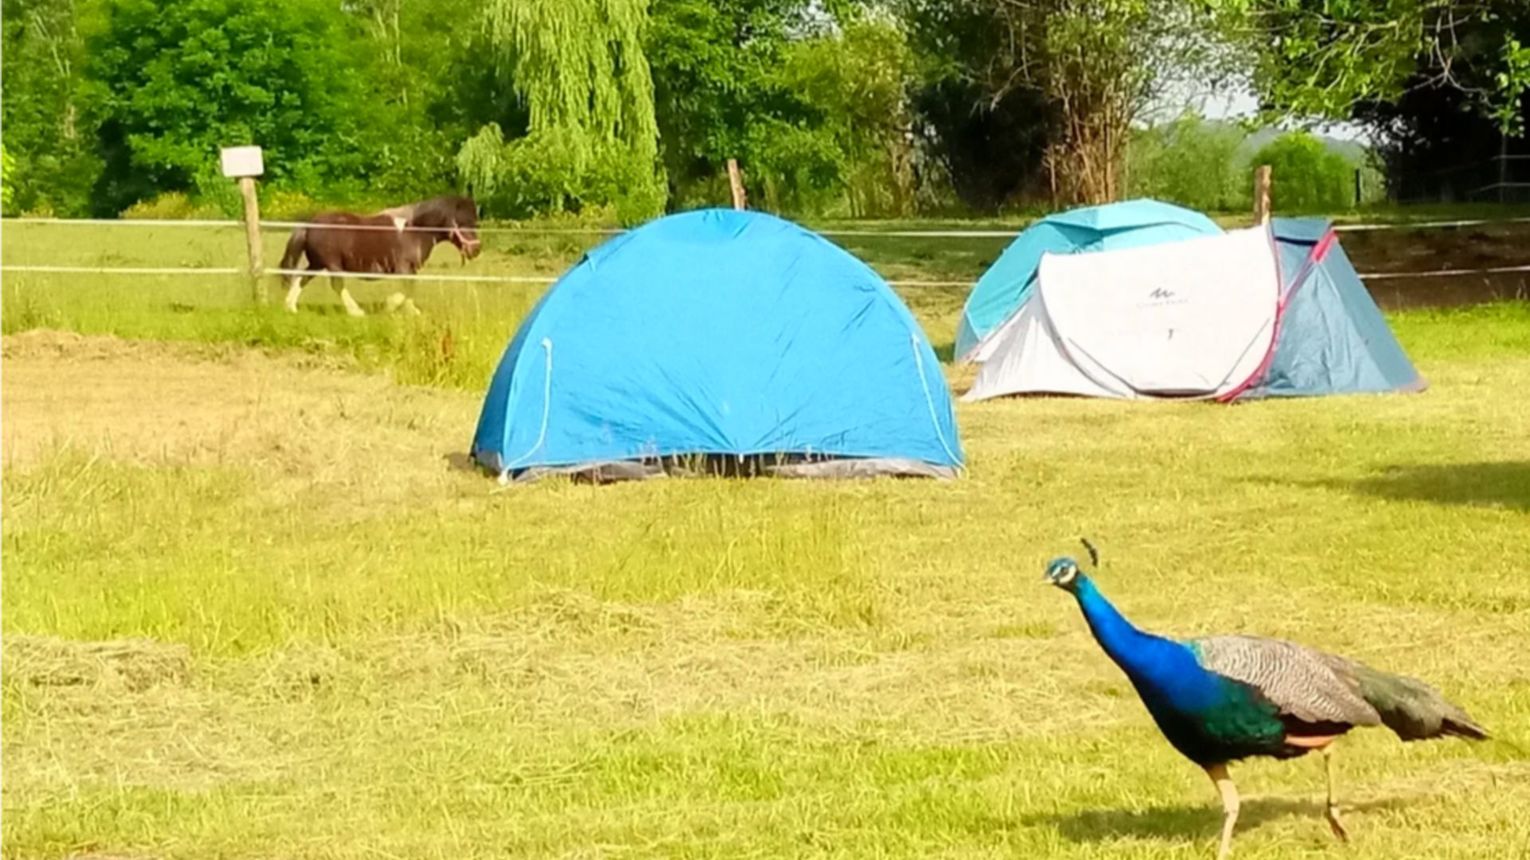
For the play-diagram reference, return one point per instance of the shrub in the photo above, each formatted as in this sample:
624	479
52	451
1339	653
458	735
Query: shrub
171	206
1190	161
282	204
218	192
1306	176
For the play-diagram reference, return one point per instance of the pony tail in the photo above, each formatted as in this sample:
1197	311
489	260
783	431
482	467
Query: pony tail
297	245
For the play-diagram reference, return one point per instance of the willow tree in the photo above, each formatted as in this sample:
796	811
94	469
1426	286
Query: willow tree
579	67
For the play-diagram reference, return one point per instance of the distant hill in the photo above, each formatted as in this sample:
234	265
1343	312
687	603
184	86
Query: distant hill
1353	151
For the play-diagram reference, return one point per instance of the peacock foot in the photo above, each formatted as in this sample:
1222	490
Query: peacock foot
1339	830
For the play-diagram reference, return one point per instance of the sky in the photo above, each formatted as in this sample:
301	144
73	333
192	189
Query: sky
1237	101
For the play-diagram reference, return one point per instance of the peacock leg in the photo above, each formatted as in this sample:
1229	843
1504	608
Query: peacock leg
1332	811
1229	793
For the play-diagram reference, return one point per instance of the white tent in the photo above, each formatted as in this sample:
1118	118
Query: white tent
1194	318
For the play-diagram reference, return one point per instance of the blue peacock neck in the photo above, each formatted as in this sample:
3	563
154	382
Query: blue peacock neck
1161	669
1116	635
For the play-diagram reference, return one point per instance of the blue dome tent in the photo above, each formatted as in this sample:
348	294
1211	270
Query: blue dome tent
718	340
1129	224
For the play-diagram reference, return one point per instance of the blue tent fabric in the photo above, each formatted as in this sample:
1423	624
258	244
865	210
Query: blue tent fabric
1128	224
1332	337
718	332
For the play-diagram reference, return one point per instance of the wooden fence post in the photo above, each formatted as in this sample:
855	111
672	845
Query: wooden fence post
736	182
1262	194
252	239
1503	168
245	163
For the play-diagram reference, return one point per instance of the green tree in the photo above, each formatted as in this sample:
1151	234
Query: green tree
551	171
421	61
1320	58
1442	86
987	144
47	131
580	68
7	171
711	64
812	99
1097	65
1306	175
1190	161
854	83
579	64
175	81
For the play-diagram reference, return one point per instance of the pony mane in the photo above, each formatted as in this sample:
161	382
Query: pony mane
443	211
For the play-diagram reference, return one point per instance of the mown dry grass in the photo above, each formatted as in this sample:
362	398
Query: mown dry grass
255	608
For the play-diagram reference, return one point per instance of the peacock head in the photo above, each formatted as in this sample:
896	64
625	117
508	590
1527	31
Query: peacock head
1065	573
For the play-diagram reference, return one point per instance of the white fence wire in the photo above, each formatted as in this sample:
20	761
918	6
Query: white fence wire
532	229
122	270
290	225
542	279
463	279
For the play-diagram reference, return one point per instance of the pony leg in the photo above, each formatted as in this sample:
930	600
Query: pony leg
294	289
401	303
345	298
295	285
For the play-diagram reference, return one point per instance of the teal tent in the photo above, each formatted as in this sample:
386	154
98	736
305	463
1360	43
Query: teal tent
1129	224
1270	311
1330	336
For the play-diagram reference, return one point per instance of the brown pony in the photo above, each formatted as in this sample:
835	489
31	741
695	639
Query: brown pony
392	242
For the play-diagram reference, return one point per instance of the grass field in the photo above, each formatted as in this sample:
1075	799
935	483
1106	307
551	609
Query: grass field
253	607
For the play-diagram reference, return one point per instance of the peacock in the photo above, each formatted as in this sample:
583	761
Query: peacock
1223	698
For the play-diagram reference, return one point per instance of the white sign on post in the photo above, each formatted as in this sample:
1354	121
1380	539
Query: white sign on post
242	161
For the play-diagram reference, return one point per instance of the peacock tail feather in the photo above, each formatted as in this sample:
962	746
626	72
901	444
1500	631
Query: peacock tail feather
1413	710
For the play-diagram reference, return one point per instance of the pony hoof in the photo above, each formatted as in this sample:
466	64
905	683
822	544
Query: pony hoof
400	303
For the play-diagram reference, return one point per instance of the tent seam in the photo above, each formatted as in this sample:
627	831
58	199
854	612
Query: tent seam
546	411
929	400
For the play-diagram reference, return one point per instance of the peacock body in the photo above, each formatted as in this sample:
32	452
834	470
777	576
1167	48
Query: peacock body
1223	698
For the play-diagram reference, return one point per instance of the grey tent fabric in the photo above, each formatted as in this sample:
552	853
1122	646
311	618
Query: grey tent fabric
838	468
